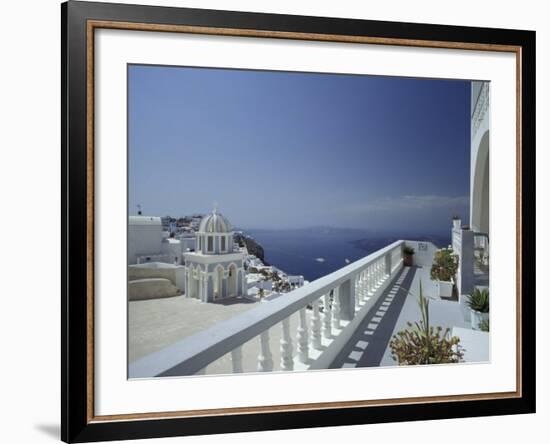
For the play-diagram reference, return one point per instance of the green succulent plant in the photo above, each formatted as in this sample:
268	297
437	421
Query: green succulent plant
421	343
479	300
409	251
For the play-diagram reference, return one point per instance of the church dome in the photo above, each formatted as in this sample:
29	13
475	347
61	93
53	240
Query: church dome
214	223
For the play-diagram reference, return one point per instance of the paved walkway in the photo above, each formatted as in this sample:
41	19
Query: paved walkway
367	346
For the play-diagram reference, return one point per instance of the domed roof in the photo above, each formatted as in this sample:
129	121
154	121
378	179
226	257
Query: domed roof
215	223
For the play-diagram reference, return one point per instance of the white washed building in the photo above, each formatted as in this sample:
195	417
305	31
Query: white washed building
144	237
215	269
471	243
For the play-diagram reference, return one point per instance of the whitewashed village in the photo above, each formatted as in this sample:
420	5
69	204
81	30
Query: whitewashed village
202	299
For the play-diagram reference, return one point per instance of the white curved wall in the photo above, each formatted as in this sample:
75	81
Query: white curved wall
479	157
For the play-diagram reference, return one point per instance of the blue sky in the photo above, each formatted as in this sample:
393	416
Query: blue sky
293	150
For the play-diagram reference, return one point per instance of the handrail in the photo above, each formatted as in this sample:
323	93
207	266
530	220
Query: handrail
193	353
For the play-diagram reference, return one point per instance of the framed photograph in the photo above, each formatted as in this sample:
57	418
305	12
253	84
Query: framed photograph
275	221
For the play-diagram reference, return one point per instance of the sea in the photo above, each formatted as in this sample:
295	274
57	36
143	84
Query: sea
316	252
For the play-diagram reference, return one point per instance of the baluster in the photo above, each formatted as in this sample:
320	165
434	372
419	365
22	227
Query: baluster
364	292
237	360
359	291
335	308
327	317
287	363
357	296
316	326
265	359
303	346
370	279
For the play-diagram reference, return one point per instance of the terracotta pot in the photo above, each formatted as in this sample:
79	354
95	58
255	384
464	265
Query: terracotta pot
408	260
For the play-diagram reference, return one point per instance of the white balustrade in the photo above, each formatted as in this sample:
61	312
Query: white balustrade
265	359
327	317
356	292
287	363
315	326
359	290
303	343
353	286
336	308
370	280
364	291
237	360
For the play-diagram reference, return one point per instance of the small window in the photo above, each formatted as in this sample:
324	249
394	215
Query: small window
210	243
223	243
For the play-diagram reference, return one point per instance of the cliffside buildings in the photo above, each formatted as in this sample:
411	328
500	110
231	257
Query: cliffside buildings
202	261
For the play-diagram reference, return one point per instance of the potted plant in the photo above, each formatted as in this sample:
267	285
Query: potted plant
484	325
444	268
408	253
421	343
478	302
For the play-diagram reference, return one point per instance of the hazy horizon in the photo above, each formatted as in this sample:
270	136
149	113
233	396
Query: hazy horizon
281	150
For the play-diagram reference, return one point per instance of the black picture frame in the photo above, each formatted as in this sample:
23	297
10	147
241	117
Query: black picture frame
77	425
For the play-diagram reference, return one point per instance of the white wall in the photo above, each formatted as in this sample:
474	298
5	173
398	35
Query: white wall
29	179
143	240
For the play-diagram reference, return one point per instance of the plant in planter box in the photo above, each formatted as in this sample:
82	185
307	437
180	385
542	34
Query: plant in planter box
478	302
421	343
484	325
408	253
444	268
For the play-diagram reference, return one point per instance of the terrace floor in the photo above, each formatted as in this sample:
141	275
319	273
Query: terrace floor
157	323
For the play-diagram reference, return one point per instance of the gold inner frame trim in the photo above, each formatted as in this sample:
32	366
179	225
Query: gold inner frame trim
96	24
